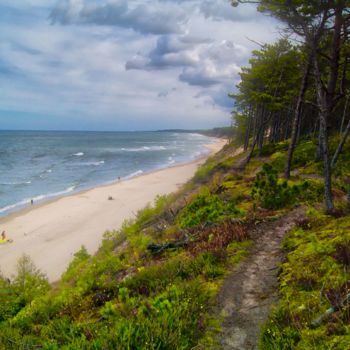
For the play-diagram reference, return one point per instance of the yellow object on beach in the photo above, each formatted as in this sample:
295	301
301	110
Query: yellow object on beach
3	241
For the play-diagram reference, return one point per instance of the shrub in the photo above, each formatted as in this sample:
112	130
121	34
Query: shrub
269	192
28	284
206	207
272	193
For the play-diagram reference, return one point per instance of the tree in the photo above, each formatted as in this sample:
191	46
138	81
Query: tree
323	27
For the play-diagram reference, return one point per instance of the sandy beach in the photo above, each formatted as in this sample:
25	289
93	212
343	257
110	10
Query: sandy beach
50	233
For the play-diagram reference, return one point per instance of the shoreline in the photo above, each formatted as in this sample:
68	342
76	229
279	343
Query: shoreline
52	231
211	147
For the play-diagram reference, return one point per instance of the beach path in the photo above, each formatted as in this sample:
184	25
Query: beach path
52	232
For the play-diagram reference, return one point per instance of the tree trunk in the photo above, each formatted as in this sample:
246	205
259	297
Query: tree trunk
344	114
297	115
326	162
247	134
319	149
256	138
340	145
261	131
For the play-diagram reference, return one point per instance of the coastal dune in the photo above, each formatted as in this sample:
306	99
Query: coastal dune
52	232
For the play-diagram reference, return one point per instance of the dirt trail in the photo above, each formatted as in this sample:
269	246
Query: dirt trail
248	293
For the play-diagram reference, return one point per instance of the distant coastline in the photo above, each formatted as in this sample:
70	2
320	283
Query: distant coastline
226	132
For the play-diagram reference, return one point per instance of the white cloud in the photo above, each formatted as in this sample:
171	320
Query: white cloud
143	18
124	64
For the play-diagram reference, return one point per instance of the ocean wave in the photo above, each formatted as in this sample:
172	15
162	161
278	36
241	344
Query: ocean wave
136	173
15	183
79	154
87	163
92	163
144	149
44	175
36	199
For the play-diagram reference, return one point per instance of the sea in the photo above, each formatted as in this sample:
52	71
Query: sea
41	165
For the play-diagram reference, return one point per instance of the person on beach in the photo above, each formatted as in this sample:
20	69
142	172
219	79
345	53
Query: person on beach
31	202
3	238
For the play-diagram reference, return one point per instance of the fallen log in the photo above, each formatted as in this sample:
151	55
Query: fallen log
316	323
156	248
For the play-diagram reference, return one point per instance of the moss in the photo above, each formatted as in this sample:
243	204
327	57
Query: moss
314	278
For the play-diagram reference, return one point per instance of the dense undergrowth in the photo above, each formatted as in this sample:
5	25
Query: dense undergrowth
315	278
125	297
316	274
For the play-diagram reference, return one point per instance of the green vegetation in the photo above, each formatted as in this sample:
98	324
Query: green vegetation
206	207
128	297
315	277
124	297
272	193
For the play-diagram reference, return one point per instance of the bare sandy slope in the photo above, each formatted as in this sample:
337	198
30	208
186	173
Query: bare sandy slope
52	232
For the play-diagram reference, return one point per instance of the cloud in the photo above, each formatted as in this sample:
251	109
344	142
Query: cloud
145	19
222	10
170	51
122	64
204	62
218	64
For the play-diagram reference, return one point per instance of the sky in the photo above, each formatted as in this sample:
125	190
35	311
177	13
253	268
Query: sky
123	65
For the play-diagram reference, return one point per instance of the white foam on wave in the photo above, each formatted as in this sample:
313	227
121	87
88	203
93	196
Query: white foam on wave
93	163
36	199
136	173
171	160
79	154
88	163
196	135
44	174
15	183
144	148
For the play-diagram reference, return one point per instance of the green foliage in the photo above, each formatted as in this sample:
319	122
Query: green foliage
262	83
28	284
278	160
205	171
304	153
121	298
270	149
269	192
315	277
206	207
80	257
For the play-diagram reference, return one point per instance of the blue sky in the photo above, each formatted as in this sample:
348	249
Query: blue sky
123	65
